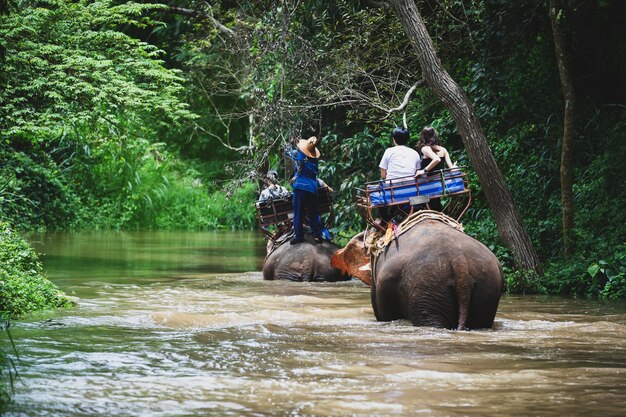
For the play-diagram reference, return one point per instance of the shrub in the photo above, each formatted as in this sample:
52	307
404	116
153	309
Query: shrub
8	371
23	285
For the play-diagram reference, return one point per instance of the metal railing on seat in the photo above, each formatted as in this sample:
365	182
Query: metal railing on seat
448	186
275	216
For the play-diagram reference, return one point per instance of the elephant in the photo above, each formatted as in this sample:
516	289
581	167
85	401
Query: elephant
306	261
432	275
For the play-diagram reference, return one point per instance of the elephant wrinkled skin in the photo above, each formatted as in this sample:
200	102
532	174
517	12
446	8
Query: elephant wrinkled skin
432	275
306	261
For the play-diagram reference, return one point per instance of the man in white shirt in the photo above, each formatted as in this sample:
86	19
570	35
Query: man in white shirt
399	160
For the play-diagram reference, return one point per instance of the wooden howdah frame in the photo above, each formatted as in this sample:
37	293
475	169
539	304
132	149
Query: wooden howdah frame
275	217
406	194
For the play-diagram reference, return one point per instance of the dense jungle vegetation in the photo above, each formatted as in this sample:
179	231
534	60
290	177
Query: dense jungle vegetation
142	115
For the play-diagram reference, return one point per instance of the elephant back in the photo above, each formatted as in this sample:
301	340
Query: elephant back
376	242
306	261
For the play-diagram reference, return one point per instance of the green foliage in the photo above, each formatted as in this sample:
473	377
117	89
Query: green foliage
148	188
72	84
615	286
8	370
139	185
612	273
23	285
351	163
65	64
600	189
33	190
522	282
580	276
81	110
192	207
482	227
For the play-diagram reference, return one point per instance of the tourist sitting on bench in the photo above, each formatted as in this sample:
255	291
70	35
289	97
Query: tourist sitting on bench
398	161
274	191
433	157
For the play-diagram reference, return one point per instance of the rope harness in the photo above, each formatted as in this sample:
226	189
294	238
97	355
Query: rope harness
272	245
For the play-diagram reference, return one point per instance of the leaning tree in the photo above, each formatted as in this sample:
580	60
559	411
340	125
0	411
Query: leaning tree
510	226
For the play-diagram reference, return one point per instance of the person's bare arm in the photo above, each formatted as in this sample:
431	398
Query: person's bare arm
448	160
428	153
383	173
321	183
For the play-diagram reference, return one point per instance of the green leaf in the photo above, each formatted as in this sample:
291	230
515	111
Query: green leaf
593	270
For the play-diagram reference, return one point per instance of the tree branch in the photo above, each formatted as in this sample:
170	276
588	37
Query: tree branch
407	97
183	11
202	14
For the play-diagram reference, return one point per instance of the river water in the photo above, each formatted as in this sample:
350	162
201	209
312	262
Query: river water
182	324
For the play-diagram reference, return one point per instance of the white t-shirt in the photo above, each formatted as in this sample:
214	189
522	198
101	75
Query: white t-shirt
400	161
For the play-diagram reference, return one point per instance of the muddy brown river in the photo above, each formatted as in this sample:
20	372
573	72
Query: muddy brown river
182	324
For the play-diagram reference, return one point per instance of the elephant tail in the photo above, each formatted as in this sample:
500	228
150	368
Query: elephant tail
463	296
463	290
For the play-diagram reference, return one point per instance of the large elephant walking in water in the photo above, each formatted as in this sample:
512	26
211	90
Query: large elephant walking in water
431	274
306	261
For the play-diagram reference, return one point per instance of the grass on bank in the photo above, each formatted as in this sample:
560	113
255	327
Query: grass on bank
23	288
23	284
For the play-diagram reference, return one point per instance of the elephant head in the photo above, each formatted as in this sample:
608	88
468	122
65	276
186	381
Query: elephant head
432	275
306	261
354	260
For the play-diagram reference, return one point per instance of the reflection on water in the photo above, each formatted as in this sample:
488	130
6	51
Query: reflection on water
183	332
117	256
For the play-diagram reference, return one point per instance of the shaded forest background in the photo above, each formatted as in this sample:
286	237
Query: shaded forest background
141	115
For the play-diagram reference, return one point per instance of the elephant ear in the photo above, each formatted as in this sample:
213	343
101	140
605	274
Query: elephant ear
353	260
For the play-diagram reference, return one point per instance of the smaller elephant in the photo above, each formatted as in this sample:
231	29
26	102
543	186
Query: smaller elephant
432	275
306	261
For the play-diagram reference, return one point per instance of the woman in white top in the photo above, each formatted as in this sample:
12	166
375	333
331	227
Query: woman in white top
399	160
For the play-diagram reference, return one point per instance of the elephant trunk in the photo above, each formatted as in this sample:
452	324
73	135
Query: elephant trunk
353	260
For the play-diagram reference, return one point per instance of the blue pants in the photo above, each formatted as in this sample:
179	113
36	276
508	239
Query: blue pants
305	200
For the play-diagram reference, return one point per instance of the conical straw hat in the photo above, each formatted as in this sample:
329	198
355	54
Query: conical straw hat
305	147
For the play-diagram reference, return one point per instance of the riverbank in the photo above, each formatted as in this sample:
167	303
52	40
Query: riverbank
24	286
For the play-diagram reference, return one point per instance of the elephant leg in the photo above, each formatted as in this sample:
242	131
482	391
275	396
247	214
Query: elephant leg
268	271
373	299
385	301
483	306
433	308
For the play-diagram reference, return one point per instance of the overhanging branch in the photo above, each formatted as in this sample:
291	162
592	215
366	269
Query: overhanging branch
407	97
202	14
182	11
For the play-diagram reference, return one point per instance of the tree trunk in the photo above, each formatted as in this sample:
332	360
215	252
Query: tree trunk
567	146
510	226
